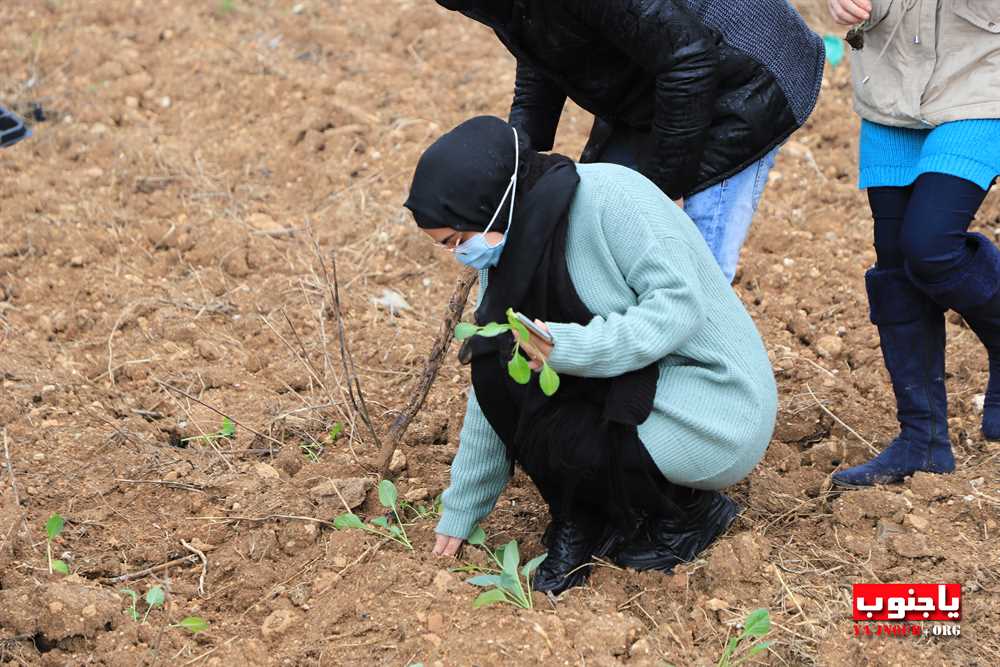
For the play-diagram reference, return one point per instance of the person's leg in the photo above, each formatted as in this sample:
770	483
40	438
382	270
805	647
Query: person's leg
957	269
566	458
723	212
680	522
912	337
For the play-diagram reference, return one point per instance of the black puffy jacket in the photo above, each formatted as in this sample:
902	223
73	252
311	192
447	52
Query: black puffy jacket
717	83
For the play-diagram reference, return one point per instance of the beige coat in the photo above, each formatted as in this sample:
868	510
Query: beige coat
927	62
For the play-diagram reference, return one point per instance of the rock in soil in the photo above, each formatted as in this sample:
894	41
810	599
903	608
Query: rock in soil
58	610
354	490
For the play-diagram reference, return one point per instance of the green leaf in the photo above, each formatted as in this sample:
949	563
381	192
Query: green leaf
484	580
509	582
381	522
532	565
129	592
387	494
193	624
477	537
489	597
154	596
335	431
395	530
515	324
60	566
759	648
465	330
348	520
493	329
133	614
54	526
519	369
511	558
228	429
548	380
757	623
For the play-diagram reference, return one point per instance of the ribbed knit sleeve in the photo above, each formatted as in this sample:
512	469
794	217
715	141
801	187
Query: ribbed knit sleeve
479	474
668	311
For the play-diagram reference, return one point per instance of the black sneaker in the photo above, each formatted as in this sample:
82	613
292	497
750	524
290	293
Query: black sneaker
665	542
572	544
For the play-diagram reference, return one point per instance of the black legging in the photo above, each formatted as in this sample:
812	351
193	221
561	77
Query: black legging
923	226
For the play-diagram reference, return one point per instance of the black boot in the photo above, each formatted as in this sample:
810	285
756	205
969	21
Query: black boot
572	543
664	542
974	292
911	330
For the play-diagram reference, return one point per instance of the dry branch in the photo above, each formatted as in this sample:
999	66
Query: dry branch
354	392
456	304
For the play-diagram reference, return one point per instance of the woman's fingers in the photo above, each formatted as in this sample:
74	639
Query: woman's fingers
445	545
849	12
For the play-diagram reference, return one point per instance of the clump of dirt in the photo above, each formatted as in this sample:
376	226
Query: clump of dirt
169	237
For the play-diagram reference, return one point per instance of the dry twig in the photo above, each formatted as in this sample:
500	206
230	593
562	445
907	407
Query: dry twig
354	392
456	304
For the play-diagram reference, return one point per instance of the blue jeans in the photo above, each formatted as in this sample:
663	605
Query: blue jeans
723	212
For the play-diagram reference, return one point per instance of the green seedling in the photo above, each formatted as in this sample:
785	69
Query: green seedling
389	497
227	430
154	598
756	625
421	511
226	7
335	431
517	367
193	624
131	611
513	584
311	450
53	527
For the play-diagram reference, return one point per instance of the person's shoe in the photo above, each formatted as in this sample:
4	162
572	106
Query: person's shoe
974	292
665	542
572	543
911	329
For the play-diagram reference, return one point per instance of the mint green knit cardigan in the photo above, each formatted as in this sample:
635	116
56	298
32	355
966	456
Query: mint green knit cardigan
639	262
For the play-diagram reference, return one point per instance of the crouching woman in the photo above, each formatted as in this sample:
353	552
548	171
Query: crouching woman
666	392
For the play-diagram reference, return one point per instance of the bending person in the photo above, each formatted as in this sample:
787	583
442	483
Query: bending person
696	94
930	150
666	393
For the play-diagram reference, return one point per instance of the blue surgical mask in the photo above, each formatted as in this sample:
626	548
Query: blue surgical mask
477	252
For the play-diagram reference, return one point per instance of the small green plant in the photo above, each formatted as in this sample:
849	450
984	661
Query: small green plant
389	497
421	511
53	527
756	625
226	7
193	624
227	430
511	585
335	431
154	598
517	367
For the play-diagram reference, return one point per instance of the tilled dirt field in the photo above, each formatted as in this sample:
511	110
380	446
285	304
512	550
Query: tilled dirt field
166	250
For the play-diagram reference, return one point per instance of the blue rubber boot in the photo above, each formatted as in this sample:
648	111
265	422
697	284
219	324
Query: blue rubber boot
974	292
911	329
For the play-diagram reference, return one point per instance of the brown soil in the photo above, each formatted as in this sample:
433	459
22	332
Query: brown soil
165	226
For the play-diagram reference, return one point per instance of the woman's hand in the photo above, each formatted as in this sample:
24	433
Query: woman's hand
850	12
538	350
446	545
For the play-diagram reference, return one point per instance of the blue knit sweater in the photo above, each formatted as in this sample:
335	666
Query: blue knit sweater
896	156
639	263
